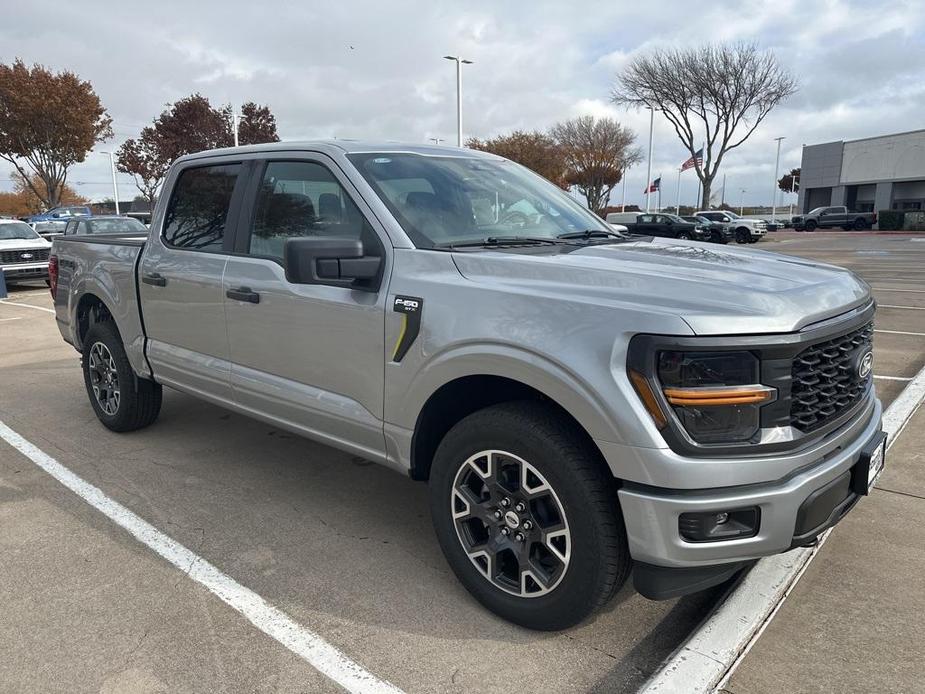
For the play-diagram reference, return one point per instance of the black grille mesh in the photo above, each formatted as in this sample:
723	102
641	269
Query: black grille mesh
825	382
13	257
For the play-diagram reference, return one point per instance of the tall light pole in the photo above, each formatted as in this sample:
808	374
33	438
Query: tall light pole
649	167
115	188
774	183
677	206
623	203
459	63
742	193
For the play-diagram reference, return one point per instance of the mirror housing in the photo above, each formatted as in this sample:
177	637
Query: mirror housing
331	260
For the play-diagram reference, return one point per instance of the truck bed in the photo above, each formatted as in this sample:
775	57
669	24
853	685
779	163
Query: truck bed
103	268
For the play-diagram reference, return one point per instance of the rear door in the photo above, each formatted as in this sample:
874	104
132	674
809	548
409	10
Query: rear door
645	224
309	356
180	279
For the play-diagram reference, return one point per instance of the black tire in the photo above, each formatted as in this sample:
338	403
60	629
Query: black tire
683	236
581	485
139	400
717	237
742	235
860	224
811	225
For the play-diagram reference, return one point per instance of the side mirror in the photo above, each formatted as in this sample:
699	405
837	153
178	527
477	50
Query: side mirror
331	260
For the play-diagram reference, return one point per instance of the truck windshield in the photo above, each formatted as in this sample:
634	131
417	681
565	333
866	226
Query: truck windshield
443	200
17	230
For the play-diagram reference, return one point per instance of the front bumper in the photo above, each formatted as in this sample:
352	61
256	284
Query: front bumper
651	514
25	271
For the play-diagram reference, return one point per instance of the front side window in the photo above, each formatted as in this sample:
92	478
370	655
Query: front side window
298	199
646	219
198	210
442	200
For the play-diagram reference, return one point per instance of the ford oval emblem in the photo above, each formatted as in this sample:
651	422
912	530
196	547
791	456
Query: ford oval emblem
26	256
865	365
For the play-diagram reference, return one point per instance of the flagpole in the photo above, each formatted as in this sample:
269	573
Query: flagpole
649	163
659	191
722	200
699	182
677	207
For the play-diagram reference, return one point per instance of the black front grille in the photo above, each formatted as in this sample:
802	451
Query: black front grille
14	257
825	379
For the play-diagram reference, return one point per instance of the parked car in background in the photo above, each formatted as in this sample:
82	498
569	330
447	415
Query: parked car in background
667	226
719	232
746	230
834	218
60	213
583	404
108	224
23	253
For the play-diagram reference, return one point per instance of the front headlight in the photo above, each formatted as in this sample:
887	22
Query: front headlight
716	396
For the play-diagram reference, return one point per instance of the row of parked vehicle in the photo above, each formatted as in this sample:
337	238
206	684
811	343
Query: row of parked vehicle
716	226
24	247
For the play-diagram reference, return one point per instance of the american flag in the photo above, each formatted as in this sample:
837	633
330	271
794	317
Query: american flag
655	185
696	160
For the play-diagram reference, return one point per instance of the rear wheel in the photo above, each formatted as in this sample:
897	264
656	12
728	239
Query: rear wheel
527	516
860	224
121	400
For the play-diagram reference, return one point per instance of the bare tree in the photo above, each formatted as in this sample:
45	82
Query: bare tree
597	152
717	94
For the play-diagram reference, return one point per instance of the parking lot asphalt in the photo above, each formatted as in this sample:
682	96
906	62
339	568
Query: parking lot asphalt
342	546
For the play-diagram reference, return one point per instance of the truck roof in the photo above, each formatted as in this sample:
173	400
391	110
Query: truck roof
345	146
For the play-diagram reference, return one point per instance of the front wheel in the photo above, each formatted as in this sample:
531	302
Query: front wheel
811	225
121	401
527	515
684	236
742	235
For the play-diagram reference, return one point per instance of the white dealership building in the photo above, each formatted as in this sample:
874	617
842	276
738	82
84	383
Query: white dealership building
876	173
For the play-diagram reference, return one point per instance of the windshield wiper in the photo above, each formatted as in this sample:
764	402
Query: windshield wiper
500	241
592	233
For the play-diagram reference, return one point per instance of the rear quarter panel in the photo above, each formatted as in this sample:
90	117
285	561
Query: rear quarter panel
104	269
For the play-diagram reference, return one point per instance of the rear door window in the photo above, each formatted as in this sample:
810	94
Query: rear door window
198	211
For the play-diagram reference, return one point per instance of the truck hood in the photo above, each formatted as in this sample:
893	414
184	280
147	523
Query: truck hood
23	244
715	290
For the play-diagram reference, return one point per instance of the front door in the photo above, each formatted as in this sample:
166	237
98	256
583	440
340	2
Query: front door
180	280
308	356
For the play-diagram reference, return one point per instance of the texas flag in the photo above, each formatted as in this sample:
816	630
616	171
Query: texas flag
656	185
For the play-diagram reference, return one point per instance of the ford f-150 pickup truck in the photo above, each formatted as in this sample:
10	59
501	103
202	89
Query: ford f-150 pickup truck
834	218
580	401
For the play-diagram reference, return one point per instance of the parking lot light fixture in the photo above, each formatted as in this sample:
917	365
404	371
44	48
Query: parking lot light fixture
459	63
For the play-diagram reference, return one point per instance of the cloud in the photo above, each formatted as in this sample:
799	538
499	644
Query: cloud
375	70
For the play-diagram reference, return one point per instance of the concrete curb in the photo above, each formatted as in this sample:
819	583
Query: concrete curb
706	661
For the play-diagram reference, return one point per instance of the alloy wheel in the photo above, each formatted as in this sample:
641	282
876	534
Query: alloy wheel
510	523
104	378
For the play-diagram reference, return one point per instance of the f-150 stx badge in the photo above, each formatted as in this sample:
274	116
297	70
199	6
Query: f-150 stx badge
411	307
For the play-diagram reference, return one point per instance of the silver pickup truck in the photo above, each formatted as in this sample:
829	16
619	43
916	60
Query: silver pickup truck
580	401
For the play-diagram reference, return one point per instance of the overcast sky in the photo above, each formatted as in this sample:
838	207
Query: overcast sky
375	69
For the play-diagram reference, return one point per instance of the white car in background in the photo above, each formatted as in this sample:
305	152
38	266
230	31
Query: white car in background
746	230
23	253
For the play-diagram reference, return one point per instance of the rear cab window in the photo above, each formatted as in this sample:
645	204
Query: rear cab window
197	215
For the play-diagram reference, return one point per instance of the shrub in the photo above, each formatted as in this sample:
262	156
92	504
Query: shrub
890	220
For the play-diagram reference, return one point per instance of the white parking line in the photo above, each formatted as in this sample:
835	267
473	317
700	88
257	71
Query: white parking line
899	332
908	308
892	378
37	308
3	320
272	621
709	657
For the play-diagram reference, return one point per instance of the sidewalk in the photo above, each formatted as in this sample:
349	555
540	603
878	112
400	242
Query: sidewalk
855	621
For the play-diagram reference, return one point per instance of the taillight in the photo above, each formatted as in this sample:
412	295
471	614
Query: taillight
874	221
53	275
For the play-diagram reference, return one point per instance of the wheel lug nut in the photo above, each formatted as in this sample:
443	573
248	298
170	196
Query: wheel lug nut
505	502
498	515
505	531
519	537
528	525
519	507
